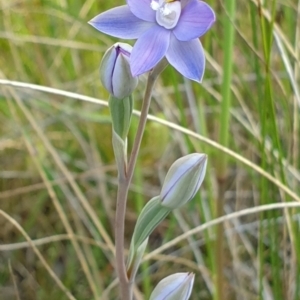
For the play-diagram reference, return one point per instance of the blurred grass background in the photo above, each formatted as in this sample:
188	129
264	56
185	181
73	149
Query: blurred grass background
58	175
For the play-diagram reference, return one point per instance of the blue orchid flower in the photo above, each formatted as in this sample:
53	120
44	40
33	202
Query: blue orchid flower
163	28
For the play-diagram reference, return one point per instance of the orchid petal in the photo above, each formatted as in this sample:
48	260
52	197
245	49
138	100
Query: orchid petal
142	9
149	49
184	3
187	58
121	23
196	18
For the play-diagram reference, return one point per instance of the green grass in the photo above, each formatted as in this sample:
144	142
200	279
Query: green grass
58	175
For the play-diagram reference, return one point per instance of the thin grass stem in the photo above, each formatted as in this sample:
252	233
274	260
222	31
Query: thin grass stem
224	140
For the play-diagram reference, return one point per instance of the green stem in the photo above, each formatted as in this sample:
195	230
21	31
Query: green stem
226	85
224	139
123	187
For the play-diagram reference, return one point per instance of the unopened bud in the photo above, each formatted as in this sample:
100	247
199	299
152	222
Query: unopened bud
174	287
183	180
115	73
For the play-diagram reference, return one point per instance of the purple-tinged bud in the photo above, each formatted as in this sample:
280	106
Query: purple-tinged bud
183	180
174	287
115	73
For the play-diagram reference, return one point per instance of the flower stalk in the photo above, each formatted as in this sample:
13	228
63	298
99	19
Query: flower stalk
124	183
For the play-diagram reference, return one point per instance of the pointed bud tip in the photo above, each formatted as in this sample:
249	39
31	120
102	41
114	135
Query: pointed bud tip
183	180
177	286
115	73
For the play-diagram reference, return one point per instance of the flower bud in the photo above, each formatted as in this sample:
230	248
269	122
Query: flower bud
115	73
183	180
174	287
